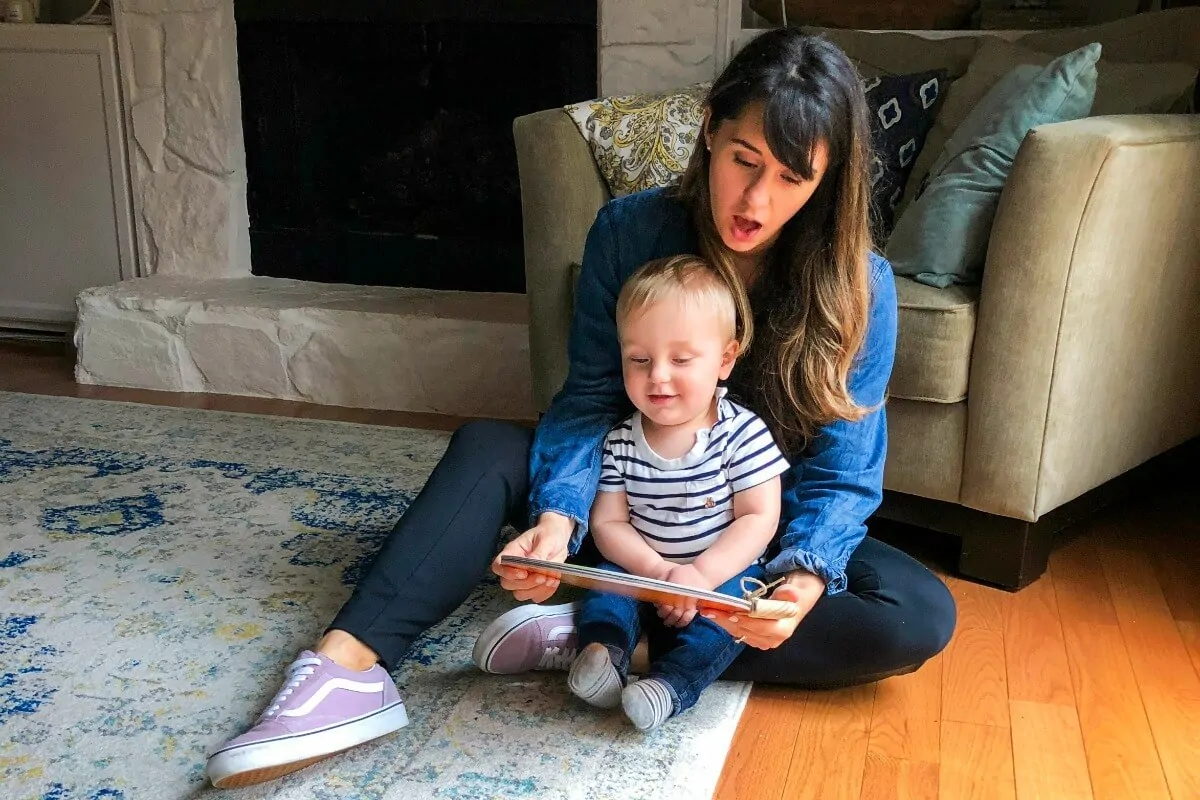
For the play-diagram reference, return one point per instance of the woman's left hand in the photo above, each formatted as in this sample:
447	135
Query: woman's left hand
802	588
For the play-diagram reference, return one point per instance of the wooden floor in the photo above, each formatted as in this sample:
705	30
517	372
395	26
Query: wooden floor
1084	685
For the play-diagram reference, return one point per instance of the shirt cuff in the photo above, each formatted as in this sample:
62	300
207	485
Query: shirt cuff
577	536
833	574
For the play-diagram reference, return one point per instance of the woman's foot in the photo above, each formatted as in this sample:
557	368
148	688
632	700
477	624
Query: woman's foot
528	637
594	678
321	709
648	703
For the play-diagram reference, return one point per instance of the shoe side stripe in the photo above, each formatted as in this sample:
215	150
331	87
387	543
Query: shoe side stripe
326	688
306	734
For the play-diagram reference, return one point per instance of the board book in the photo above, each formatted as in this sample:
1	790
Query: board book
654	591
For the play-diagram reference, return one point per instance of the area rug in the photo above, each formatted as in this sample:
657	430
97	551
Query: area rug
160	567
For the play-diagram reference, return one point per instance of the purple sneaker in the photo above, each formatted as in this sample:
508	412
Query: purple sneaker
322	709
528	637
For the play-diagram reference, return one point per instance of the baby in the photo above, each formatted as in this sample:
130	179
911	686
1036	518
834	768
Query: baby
689	492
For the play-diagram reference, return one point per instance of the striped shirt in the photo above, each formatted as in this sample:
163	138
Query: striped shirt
681	505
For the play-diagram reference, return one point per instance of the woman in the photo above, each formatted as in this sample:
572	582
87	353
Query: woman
777	197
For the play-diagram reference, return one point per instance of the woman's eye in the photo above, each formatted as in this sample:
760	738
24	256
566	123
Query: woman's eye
741	161
792	179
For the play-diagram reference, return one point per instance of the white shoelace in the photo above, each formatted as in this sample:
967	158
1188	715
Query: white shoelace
298	673
557	658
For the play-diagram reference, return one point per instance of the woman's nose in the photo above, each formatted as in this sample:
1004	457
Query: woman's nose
756	191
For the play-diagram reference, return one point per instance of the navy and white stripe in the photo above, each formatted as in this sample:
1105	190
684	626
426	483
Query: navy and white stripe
682	505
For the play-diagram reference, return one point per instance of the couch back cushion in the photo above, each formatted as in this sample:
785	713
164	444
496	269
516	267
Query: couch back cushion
1122	88
942	239
902	53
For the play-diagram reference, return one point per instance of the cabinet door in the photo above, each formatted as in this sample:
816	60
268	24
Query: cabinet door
64	200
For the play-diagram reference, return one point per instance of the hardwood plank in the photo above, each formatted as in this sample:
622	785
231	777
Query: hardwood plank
1048	758
1176	556
1190	632
759	759
1034	652
977	763
887	778
1080	589
906	720
1161	665
979	606
1121	755
975	688
831	746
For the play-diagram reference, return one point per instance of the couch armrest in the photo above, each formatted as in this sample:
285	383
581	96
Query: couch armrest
1087	347
561	192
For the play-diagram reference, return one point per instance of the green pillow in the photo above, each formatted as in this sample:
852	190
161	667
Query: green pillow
942	238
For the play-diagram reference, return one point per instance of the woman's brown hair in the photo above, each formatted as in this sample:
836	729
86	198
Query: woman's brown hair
812	294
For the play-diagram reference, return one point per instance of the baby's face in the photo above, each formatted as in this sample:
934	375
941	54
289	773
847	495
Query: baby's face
673	354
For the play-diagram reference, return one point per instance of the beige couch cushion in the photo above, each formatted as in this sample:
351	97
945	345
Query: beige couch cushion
902	53
1121	89
936	328
927	443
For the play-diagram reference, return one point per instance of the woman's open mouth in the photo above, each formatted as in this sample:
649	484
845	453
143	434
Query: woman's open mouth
744	228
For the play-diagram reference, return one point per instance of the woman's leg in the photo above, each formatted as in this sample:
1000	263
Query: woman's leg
894	615
442	546
432	560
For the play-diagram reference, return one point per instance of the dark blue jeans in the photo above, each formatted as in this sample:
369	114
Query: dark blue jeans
892	617
688	659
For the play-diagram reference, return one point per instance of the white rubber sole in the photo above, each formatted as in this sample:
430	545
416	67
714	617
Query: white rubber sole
267	760
506	623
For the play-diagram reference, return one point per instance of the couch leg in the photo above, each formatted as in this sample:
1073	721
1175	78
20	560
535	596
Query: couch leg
1006	552
1002	551
1012	553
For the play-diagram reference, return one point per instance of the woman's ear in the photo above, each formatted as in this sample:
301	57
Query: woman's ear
728	359
708	137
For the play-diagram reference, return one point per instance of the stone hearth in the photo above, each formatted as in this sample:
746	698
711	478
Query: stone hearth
197	321
462	353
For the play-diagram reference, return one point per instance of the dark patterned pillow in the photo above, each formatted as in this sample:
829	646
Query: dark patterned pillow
902	108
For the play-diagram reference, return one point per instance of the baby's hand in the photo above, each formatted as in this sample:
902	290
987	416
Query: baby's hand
686	575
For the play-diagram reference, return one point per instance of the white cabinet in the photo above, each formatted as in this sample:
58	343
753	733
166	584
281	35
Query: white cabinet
65	217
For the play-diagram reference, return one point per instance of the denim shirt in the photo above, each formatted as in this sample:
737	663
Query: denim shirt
830	489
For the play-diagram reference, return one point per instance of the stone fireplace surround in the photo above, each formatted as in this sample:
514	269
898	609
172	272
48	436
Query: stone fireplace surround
199	321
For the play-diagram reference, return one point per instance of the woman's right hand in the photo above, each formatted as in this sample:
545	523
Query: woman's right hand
548	540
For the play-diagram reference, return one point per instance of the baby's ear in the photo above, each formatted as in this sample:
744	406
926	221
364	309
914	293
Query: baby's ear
729	358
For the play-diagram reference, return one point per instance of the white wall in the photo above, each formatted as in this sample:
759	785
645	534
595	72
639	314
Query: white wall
649	45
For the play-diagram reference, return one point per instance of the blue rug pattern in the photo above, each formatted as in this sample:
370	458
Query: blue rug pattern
160	567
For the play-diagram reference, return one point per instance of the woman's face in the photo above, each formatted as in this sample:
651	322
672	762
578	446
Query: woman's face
753	193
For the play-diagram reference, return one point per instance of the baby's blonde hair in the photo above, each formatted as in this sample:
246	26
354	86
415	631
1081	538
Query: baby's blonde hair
697	282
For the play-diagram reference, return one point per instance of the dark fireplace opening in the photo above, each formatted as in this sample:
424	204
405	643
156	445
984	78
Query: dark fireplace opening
378	134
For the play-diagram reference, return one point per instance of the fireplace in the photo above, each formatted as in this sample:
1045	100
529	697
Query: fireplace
378	134
307	116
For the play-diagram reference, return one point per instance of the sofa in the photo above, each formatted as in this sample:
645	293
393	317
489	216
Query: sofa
1015	404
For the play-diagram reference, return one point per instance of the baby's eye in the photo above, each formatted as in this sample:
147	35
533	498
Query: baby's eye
682	360
638	360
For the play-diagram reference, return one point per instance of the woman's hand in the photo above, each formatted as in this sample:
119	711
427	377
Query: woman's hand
548	540
802	588
687	575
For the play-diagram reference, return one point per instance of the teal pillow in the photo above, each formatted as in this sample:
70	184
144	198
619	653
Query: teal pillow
942	238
